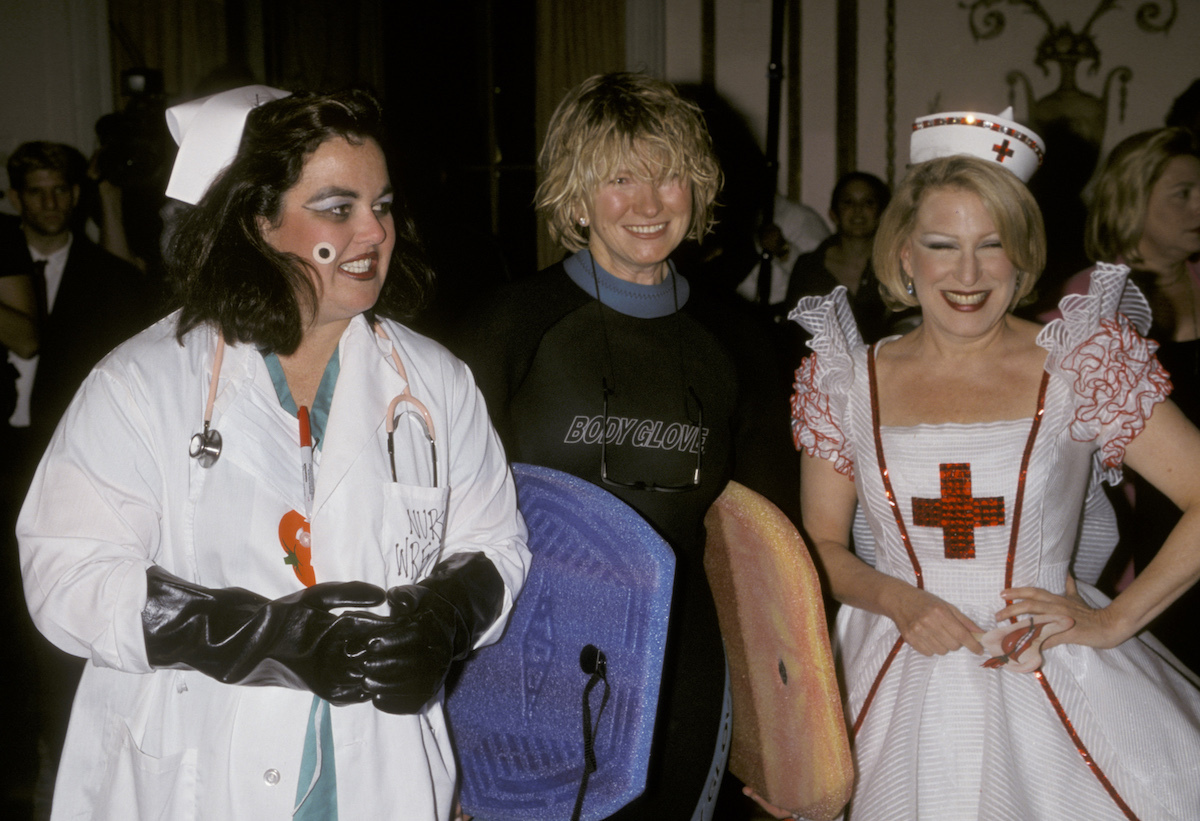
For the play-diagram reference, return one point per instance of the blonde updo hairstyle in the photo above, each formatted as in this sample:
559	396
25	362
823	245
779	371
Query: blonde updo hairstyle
618	121
1117	216
1012	208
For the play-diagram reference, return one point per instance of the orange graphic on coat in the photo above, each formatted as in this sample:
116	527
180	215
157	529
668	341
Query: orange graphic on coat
296	539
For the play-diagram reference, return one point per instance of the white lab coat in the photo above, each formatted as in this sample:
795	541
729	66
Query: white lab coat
116	492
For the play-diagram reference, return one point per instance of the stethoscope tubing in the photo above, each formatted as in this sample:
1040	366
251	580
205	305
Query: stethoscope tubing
205	446
423	415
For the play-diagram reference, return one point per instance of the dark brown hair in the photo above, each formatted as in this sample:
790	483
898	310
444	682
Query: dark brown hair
45	156
230	277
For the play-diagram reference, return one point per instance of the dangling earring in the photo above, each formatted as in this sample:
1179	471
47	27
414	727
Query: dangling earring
583	221
912	291
1018	285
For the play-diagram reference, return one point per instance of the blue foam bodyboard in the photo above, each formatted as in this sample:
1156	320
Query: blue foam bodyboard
600	575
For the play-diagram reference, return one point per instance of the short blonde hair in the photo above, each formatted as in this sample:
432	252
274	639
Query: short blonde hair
614	121
1008	202
1117	216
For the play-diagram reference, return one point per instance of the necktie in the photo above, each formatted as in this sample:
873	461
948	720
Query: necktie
38	273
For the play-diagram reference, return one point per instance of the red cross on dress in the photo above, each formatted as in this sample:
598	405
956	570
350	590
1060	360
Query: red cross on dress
1002	150
957	512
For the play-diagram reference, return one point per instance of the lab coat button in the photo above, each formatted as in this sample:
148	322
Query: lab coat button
271	777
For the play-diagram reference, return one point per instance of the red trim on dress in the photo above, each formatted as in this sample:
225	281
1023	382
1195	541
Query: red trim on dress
887	662
1122	379
912	556
1017	504
883	471
814	426
1019	501
1082	749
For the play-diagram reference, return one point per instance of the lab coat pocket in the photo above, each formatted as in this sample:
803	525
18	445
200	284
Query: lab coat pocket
413	529
142	786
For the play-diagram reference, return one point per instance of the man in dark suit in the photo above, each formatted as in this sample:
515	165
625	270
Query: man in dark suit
89	301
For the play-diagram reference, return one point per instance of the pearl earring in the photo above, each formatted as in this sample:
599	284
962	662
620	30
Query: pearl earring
912	291
583	221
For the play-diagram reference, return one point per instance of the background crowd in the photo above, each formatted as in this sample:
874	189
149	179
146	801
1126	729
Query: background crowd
669	326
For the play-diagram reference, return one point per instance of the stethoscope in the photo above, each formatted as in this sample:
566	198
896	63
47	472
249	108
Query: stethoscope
205	446
418	411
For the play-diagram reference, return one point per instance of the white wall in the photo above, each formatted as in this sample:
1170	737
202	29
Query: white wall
939	66
743	45
55	75
818	115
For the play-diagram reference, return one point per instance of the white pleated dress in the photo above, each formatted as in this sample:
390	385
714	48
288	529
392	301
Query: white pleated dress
966	511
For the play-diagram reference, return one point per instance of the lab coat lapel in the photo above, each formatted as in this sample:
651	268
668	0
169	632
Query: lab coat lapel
366	383
260	437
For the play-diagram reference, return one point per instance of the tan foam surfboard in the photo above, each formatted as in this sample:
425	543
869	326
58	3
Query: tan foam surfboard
789	733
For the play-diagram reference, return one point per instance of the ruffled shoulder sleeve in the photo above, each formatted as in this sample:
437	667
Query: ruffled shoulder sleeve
1098	348
823	380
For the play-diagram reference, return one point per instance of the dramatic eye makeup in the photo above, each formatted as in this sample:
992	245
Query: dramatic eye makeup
937	243
339	202
333	201
383	205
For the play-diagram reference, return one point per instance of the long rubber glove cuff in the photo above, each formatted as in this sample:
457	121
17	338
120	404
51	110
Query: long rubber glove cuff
240	637
434	624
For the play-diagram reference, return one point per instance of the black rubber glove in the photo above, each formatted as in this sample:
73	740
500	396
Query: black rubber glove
239	637
433	624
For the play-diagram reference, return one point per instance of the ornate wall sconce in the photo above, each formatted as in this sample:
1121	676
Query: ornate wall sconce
1069	110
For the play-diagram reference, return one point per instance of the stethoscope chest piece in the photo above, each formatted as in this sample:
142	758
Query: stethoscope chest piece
205	447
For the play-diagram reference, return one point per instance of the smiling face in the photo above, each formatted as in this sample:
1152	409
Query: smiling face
964	281
1172	229
856	211
338	219
635	223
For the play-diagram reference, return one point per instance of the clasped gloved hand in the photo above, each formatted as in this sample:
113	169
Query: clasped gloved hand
432	625
240	637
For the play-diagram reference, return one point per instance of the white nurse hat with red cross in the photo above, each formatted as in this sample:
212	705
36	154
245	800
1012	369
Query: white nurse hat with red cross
994	137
